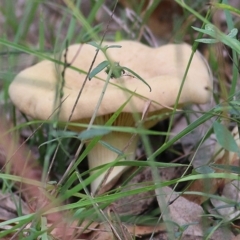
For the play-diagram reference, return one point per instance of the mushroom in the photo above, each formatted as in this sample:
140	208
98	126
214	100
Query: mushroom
33	91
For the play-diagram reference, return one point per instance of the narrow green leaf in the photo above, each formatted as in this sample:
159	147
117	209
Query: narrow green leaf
204	170
205	31
226	7
233	33
209	27
231	168
98	46
91	133
86	37
210	30
225	39
94	44
36	53
61	133
136	75
225	138
44	228
98	69
207	40
113	46
94	10
111	148
232	43
94	141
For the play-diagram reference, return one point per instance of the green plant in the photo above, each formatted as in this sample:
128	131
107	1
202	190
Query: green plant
16	45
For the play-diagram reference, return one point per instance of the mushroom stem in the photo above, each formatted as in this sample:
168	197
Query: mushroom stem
100	155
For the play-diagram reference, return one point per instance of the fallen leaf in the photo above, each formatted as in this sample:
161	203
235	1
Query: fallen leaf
127	205
236	237
190	215
184	212
231	192
102	233
145	230
10	204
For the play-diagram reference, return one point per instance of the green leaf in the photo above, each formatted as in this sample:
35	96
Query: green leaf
136	75
225	138
88	35
98	46
215	33
234	108
61	133
233	33
226	7
207	40
113	46
209	27
91	133
111	148
35	53
204	170
94	44
231	168
117	70
96	139
205	31
98	69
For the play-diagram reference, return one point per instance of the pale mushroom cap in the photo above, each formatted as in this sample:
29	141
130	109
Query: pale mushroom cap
33	91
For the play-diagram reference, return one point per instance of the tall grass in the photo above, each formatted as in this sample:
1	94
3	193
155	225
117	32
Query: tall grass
17	45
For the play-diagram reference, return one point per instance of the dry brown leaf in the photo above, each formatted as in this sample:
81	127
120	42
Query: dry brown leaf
127	205
21	163
236	237
231	192
116	231
87	226
191	140
184	212
20	160
102	233
205	186
145	230
72	228
224	157
9	205
215	185
130	231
